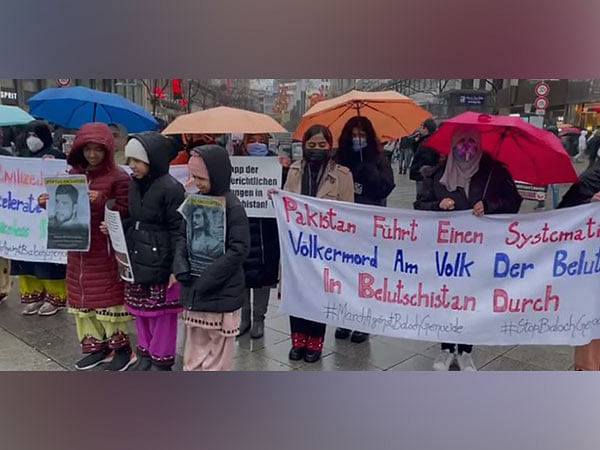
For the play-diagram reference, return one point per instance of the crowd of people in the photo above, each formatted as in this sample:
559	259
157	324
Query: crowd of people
230	298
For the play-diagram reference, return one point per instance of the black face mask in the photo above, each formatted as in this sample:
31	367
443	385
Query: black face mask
315	155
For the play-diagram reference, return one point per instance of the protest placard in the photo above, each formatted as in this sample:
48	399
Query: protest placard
251	179
530	192
205	231
442	276
23	224
68	213
118	242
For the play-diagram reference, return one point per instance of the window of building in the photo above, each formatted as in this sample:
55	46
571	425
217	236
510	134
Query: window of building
466	84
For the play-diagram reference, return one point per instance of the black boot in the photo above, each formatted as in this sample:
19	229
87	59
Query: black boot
258	329
358	337
342	333
314	349
260	305
298	349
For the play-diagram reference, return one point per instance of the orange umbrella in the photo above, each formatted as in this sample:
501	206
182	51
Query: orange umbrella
222	120
392	114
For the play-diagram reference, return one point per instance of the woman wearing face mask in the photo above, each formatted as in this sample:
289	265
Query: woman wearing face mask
316	175
41	285
467	179
39	142
359	150
262	265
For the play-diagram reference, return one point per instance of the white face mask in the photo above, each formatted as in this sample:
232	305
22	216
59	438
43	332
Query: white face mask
34	144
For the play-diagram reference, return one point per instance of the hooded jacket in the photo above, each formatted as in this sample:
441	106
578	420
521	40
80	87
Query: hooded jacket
41	130
154	224
501	196
220	287
92	277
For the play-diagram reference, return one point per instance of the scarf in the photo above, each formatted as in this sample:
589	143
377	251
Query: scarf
458	173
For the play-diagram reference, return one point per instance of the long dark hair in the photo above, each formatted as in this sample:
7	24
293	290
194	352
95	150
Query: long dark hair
345	151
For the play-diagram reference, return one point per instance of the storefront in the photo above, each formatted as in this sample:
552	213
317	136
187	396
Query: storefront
587	115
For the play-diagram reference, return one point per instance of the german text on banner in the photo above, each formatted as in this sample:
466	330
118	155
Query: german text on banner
444	277
23	224
252	178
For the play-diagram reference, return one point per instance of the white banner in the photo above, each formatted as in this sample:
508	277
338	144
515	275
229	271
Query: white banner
118	242
23	224
444	277
251	179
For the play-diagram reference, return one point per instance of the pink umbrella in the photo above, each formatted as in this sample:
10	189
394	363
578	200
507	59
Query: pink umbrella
531	154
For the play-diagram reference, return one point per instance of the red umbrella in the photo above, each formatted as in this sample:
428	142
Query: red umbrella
531	154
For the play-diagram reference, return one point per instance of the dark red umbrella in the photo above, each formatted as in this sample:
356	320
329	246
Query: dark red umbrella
569	130
531	154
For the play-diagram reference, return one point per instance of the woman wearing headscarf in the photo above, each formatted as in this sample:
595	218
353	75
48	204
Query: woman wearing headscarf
467	179
360	151
41	285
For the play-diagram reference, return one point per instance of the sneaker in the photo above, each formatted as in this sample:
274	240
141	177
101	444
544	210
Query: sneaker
93	359
48	309
32	308
465	362
443	361
123	359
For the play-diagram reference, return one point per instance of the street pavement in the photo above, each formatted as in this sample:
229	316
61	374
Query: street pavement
50	343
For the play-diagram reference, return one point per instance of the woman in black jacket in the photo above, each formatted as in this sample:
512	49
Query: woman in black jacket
212	301
467	179
41	285
152	231
262	265
359	150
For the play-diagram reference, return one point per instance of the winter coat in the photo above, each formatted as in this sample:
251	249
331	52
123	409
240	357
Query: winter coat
154	224
92	277
373	175
583	191
43	271
220	287
261	268
424	157
337	184
501	196
42	131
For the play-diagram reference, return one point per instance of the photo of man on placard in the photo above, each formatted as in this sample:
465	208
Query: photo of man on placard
66	229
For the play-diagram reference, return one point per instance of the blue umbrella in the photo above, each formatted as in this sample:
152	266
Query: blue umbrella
73	107
13	115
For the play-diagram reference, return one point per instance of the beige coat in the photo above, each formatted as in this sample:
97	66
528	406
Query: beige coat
336	184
